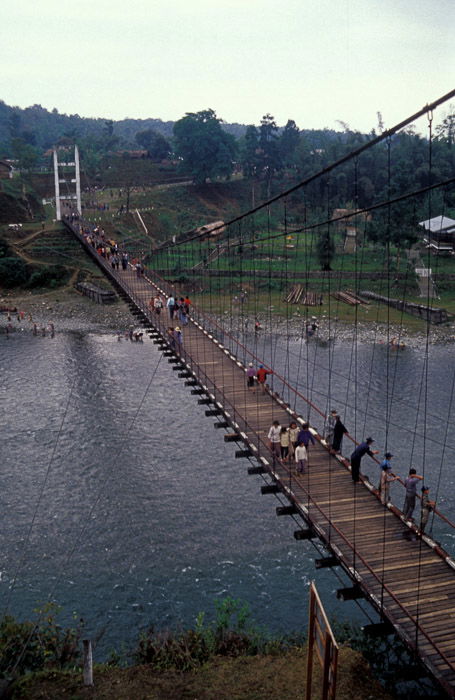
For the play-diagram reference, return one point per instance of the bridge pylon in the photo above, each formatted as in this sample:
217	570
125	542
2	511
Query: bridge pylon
70	200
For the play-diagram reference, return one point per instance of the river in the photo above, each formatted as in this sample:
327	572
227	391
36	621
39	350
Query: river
122	503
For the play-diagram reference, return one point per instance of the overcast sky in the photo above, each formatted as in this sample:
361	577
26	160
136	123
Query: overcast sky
314	61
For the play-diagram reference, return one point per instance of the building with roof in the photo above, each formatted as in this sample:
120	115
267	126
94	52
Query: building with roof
439	235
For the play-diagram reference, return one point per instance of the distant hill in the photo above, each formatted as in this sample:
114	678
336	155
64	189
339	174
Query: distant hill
43	128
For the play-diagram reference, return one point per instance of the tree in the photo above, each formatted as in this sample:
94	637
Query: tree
269	145
108	137
446	130
250	149
289	141
397	227
24	153
325	249
206	150
154	143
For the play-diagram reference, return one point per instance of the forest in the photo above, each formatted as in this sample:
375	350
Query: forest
205	148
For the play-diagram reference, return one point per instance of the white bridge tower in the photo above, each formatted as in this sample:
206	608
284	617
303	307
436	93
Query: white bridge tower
67	177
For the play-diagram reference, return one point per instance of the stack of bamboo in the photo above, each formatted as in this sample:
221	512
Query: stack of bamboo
297	295
349	298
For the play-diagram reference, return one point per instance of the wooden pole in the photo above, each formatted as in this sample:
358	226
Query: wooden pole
88	662
309	666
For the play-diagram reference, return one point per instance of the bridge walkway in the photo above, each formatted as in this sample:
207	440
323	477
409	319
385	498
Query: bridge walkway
409	579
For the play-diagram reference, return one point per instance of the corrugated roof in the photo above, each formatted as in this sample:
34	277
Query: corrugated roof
438	224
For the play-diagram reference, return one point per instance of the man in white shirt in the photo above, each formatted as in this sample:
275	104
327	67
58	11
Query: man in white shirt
274	438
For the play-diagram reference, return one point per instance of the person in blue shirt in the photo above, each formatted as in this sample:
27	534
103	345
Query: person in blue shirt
305	436
356	457
386	465
385	478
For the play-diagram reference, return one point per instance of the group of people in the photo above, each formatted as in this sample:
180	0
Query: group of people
291	443
179	308
411	482
109	250
41	329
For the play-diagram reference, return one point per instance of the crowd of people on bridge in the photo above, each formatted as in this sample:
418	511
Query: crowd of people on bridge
292	445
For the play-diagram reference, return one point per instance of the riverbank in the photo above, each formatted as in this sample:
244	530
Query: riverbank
67	309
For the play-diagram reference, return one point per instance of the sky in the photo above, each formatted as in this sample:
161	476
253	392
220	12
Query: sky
317	62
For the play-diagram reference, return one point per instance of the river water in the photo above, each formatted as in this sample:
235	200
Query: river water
122	503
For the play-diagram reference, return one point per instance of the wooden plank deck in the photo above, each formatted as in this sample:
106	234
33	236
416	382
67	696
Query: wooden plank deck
405	577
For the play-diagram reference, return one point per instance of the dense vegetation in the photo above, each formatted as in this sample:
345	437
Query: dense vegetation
205	147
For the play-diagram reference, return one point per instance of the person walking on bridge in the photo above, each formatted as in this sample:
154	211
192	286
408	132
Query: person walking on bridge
284	443
305	436
426	507
157	304
250	375
261	376
356	457
171	307
301	458
274	439
338	431
178	337
329	426
293	437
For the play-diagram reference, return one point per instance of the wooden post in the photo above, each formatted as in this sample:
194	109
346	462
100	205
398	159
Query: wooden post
321	641
309	665
326	666
88	662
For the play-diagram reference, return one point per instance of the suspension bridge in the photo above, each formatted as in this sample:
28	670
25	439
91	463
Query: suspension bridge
403	573
408	578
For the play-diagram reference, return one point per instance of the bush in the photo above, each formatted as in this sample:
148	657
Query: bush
230	634
5	250
28	646
48	276
13	272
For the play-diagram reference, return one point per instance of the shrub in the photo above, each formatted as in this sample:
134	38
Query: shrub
48	276
5	250
13	272
230	634
27	646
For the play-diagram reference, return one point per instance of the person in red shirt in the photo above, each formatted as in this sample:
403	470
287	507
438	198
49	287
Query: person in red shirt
261	376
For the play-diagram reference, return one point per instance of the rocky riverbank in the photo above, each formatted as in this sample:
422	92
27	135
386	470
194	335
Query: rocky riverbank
66	310
69	310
